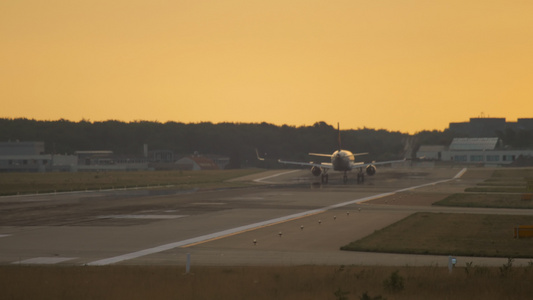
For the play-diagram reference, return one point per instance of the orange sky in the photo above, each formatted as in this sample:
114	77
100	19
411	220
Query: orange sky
397	65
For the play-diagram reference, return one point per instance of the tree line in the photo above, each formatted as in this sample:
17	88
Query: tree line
235	140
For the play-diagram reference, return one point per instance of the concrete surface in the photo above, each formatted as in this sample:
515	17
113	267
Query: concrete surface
292	219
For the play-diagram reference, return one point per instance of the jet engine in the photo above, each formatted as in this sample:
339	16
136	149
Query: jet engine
316	170
370	170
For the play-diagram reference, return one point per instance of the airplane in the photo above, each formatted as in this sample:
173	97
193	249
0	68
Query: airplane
341	160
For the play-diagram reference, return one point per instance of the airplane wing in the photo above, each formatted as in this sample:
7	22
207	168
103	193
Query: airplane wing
329	155
309	164
359	154
362	164
320	154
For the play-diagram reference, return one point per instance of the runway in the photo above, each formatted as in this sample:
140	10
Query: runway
285	219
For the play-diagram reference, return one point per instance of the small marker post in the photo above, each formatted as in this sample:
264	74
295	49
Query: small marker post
188	264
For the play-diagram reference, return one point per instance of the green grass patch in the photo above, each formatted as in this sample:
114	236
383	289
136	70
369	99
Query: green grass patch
486	200
455	234
28	183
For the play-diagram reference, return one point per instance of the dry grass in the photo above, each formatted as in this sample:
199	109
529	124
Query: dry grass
26	183
513	173
302	282
445	234
503	189
486	200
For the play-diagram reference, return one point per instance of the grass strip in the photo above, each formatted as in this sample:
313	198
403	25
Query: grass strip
30	183
290	282
486	201
450	234
504	189
497	189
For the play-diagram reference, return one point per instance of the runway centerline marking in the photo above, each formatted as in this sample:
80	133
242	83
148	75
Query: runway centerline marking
249	227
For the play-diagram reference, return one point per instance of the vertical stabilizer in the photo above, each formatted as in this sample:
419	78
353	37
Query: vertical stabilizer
339	130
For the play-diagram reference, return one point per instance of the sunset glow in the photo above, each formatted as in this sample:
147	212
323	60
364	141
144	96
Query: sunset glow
398	65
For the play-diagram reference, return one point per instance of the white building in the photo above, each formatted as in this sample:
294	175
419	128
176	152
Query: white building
430	152
30	157
196	163
486	151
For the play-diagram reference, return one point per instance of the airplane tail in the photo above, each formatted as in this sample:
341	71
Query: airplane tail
258	157
339	138
340	144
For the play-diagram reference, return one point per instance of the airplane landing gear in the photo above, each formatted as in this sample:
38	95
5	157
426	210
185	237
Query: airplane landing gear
345	178
324	178
360	177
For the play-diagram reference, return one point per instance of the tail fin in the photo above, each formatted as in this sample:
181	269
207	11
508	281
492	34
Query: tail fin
339	130
258	157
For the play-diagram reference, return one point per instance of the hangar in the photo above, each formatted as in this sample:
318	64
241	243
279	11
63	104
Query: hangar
196	163
487	151
29	157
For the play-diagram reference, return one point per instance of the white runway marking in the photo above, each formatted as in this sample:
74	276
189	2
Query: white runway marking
275	175
155	217
43	260
4	235
460	174
202	238
227	232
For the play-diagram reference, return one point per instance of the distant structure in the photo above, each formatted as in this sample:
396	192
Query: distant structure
161	160
161	156
106	160
488	127
29	157
430	152
21	148
483	151
196	163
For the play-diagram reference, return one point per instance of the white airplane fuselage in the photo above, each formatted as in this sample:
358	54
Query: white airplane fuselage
342	160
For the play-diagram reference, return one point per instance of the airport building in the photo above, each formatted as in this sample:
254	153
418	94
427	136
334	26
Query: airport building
29	157
482	151
489	127
106	160
196	163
